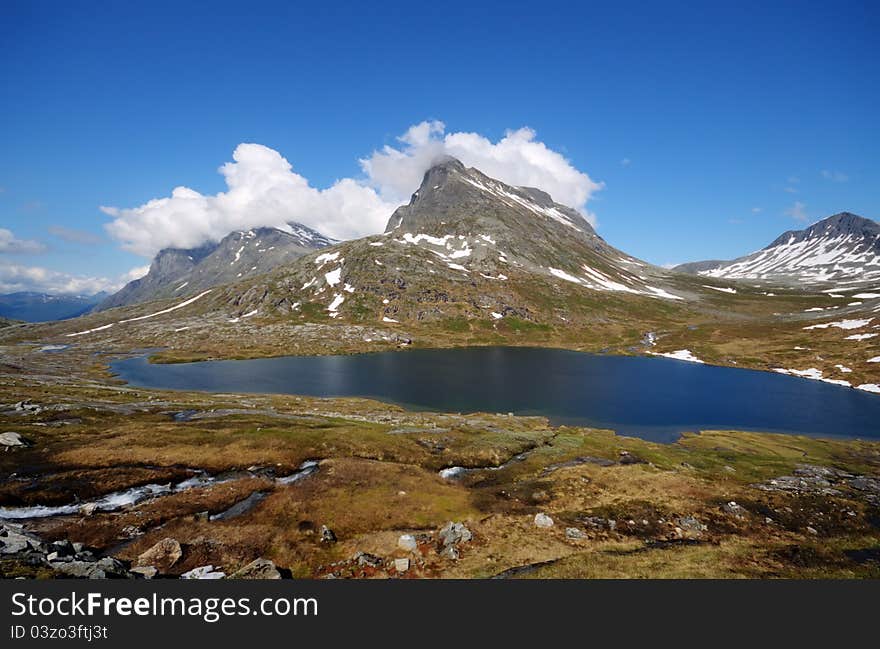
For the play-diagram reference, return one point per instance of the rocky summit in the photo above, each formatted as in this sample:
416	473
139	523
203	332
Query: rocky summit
842	247
178	272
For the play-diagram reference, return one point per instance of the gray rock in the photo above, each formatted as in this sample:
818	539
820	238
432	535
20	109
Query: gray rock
11	439
407	542
733	508
454	533
574	534
257	569
369	560
203	572
543	521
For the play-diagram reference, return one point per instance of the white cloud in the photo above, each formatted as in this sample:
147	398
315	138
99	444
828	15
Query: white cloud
834	176
625	162
516	159
263	189
798	211
756	210
12	245
15	277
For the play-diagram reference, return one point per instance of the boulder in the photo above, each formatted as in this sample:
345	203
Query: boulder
161	556
11	439
401	565
543	521
454	533
408	543
257	569
733	508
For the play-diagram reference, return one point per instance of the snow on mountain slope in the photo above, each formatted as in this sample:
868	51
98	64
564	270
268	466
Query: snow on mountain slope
841	248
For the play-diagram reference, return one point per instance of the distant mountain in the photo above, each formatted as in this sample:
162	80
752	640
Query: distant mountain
239	255
843	247
42	307
466	246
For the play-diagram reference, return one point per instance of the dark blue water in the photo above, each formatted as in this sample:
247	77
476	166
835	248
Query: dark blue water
652	398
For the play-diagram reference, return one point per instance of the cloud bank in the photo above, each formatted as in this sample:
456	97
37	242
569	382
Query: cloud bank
264	190
10	244
16	277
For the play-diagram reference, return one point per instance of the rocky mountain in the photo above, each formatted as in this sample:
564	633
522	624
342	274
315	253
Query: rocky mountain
31	306
465	245
841	248
176	272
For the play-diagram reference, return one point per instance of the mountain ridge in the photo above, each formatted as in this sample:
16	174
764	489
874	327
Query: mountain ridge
843	246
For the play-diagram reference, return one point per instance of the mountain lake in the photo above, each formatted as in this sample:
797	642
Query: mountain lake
648	397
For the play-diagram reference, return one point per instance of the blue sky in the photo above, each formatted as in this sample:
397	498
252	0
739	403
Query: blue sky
711	129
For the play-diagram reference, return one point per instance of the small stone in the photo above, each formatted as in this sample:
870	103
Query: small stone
812	530
543	521
733	508
367	559
450	552
574	534
401	565
203	572
407	542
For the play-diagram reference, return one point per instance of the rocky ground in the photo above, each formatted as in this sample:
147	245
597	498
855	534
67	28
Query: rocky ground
152	484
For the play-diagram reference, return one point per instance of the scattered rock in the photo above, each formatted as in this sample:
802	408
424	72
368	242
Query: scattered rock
574	534
401	565
542	520
688	527
369	560
733	508
257	569
628	458
408	543
454	533
162	556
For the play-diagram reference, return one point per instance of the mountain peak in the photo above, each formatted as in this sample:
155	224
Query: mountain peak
452	195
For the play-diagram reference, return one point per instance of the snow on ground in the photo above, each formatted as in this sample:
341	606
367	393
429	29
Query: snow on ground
333	308
457	267
843	368
866	296
860	336
495	315
418	238
377	243
681	355
348	288
876	359
325	257
237	255
869	387
719	288
561	274
387	319
144	317
250	313
180	287
88	331
816	375
842	324
333	277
